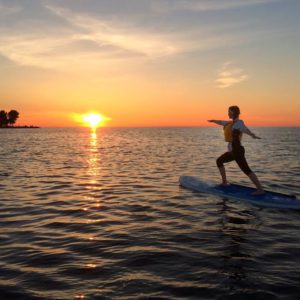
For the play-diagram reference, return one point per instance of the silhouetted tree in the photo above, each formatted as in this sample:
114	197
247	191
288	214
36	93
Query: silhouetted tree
13	115
3	118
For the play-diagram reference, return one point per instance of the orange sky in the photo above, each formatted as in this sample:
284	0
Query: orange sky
151	64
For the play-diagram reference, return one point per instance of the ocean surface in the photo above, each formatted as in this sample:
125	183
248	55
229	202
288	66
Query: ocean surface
100	215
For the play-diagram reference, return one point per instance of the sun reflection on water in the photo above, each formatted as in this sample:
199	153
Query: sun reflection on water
93	160
93	171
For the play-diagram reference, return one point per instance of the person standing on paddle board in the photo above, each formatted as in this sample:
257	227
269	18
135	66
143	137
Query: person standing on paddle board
233	131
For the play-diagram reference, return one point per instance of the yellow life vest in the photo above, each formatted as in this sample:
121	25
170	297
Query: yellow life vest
227	129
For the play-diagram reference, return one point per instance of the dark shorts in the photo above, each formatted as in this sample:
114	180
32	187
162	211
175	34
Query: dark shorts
237	155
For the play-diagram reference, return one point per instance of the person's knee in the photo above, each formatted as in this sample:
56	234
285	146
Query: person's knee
219	163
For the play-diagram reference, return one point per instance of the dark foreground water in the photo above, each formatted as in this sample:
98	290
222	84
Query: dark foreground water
101	216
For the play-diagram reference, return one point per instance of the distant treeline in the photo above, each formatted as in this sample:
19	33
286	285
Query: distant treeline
8	118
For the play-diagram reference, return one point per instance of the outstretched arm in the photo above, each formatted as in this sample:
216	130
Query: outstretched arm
253	135
219	122
246	130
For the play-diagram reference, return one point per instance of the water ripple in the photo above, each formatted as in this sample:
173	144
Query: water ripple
101	216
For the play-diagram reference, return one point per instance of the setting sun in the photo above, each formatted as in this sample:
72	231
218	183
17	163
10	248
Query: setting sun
93	120
90	119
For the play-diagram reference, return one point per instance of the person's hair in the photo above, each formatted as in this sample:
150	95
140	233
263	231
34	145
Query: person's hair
235	111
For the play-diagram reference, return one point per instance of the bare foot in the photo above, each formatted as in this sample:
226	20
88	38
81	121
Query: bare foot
258	193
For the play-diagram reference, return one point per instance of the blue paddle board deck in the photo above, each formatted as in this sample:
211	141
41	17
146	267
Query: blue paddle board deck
240	192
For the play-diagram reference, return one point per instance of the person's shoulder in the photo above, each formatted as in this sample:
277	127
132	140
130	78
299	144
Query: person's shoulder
239	124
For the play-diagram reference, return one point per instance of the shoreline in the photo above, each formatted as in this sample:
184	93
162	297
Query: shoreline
19	127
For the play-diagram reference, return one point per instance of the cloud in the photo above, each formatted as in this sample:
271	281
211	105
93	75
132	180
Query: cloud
208	5
80	39
229	75
99	35
121	35
68	40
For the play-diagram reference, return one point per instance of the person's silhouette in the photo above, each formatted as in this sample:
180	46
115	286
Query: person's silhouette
233	131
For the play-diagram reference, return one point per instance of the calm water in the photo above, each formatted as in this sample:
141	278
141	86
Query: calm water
101	216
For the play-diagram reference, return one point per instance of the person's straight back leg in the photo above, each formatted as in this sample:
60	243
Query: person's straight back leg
242	163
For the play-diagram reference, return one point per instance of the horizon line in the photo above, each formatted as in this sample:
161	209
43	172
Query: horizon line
154	126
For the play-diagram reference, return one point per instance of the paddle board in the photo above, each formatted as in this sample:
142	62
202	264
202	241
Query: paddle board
240	192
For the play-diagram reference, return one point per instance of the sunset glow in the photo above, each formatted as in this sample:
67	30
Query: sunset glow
93	120
150	63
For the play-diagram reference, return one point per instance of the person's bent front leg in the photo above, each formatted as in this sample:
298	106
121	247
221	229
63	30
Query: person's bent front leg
226	157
